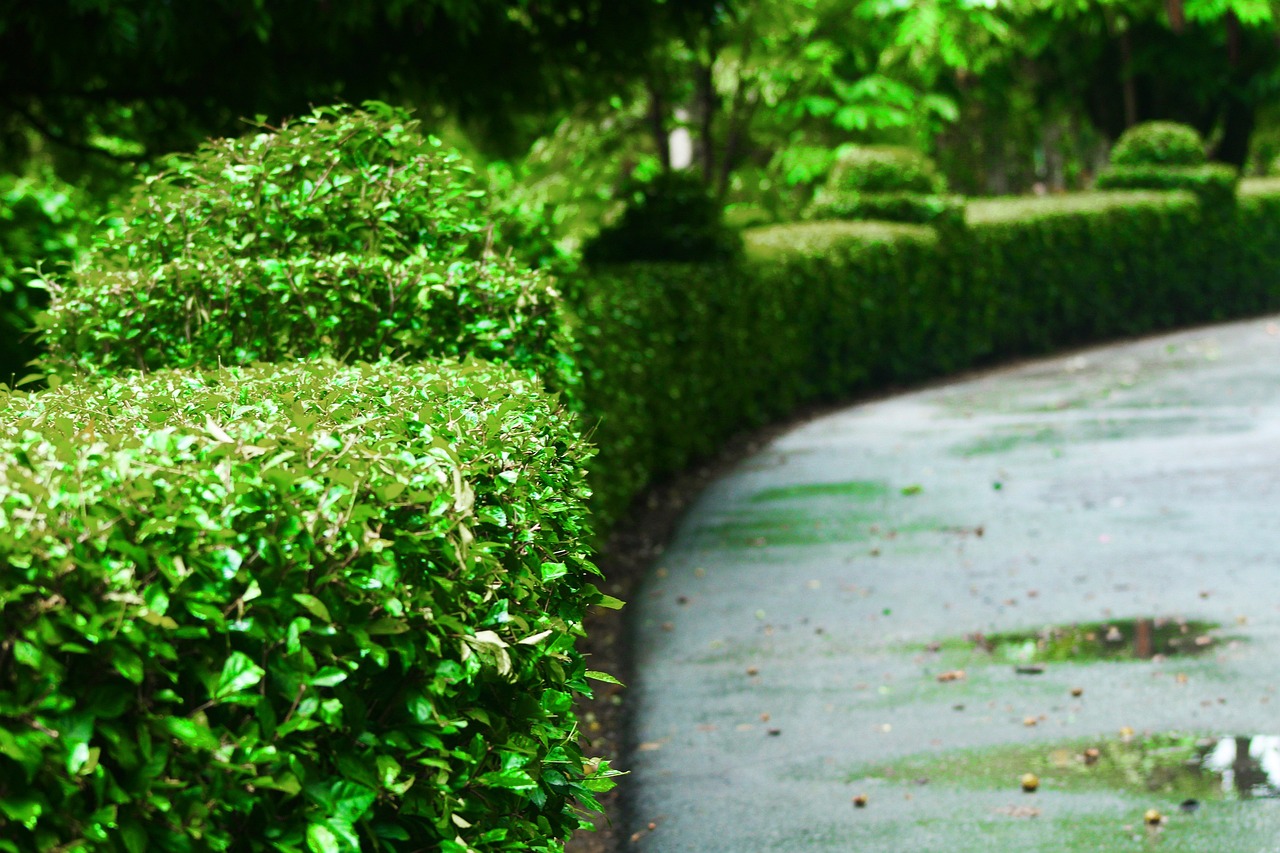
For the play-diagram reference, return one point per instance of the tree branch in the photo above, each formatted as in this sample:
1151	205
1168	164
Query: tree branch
40	127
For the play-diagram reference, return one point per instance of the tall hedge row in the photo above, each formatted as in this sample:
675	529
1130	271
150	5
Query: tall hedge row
675	358
327	606
291	607
301	604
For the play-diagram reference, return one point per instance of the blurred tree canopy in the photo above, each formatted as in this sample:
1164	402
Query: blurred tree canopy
129	79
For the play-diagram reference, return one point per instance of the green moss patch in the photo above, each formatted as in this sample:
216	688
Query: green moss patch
1119	639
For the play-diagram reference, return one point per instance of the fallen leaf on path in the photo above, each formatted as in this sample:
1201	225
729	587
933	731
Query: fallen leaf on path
952	675
1019	811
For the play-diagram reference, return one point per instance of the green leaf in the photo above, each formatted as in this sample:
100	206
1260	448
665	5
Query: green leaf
314	605
321	839
239	673
127	663
328	677
553	571
191	733
597	675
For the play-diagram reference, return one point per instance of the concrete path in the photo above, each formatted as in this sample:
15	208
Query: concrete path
791	641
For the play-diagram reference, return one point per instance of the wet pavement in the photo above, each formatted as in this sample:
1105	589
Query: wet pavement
914	603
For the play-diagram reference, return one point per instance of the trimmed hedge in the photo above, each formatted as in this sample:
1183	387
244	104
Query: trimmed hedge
884	169
1163	155
290	607
945	211
1213	182
888	184
345	233
677	358
1159	143
306	606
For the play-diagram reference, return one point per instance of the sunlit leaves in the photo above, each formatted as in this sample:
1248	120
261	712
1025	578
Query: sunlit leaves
327	637
347	233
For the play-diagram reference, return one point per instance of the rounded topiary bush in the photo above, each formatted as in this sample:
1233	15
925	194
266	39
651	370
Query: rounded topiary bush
884	169
671	217
345	232
1164	155
292	607
889	184
1159	143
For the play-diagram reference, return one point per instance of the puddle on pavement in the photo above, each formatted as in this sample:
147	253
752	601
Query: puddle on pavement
1186	768
1119	639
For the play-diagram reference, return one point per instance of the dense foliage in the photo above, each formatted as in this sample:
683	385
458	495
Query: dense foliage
290	607
132	78
884	169
1159	143
887	184
1168	156
676	358
44	222
671	217
344	233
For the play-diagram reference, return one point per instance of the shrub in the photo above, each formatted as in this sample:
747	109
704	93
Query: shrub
43	221
1159	143
1214	183
291	607
941	210
345	233
669	218
677	358
889	184
884	169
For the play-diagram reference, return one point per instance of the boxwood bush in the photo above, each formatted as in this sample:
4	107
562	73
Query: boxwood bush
886	183
1159	143
292	607
1162	155
677	358
346	232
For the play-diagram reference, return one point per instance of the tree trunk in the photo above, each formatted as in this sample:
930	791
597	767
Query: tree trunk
658	124
705	106
1238	120
1126	80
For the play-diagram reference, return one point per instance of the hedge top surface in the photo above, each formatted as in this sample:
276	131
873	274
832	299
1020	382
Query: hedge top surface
1159	143
881	169
1019	209
1260	186
336	602
345	232
774	242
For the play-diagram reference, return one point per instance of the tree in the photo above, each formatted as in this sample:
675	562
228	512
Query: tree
162	76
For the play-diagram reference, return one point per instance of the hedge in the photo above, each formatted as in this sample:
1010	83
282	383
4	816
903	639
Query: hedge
161	511
676	358
345	233
301	606
289	607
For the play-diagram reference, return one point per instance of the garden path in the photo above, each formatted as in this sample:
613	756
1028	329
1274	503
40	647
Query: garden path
809	636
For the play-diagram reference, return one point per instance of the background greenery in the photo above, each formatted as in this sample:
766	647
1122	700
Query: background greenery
287	566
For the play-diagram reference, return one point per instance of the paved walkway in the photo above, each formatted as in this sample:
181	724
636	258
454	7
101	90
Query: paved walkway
790	643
